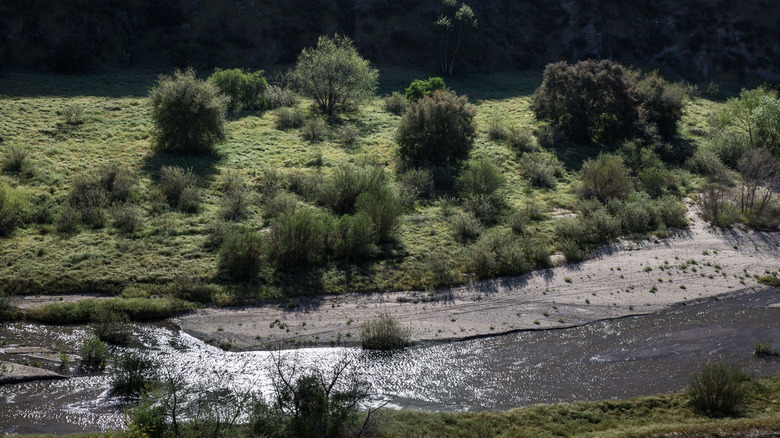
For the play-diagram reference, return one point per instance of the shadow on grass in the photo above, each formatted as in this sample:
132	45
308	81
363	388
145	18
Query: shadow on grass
205	166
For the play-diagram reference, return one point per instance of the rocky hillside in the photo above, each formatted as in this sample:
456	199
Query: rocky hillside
697	38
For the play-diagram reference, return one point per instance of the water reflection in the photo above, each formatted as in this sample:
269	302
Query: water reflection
609	359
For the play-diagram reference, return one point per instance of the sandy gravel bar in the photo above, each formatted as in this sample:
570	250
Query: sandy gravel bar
630	277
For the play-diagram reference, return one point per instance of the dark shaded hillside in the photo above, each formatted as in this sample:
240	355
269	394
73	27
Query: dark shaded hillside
698	38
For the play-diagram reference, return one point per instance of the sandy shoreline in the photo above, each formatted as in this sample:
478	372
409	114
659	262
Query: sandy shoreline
630	277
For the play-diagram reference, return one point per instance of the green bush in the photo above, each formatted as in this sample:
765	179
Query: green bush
636	215
571	250
15	208
133	375
588	101
604	178
245	90
465	226
351	237
15	159
575	230
707	163
94	354
396	103
180	188
147	420
73	114
127	218
438	130
540	170
341	191
672	212
421	88
414	184
278	97
717	205
518	221
188	114
298	238
499	252
385	334
82	312
384	209
314	129
483	207
662	101
241	254
89	198
519	140
718	390
236	198
481	177
7	311
288	118
549	136
603	226
497	129
334	74
349	135
729	146
112	327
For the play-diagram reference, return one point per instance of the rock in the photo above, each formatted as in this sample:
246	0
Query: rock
15	373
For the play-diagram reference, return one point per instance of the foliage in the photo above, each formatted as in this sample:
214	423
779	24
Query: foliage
605	177
127	218
349	135
422	87
760	172
384	333
438	130
334	75
245	90
278	97
384	209
7	311
413	184
756	114
396	103
94	354
718	390
466	226
180	188
519	140
717	206
541	170
341	191
241	254
73	114
288	118
453	23
133	375
481	177
15	208
112	327
500	252
590	100
236	198
314	129
765	349
351	237
82	312
729	146
298	238
188	114
662	102
15	159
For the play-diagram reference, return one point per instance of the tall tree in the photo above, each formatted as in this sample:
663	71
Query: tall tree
453	22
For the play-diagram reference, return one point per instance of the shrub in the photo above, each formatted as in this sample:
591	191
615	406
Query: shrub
706	162
245	90
438	130
278	97
280	204
7	311
94	354
540	170
351	237
575	230
236	198
67	220
483	207
15	208
118	182
15	159
519	140
133	375
655	181
717	205
385	334
314	129
298	238
179	186
421	88
718	389
729	146
383	208
497	129
127	218
604	226
571	250
188	114
288	118
549	136
271	182
672	212
341	191
497	253
415	183
604	178
112	327
73	114
755	115
517	222
481	177
349	135
466	226
89	197
764	349
590	100
396	103
636	215
147	420
241	254
334	75
663	103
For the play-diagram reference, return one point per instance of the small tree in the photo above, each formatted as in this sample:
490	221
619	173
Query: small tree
606	177
453	22
244	89
421	88
334	74
437	130
188	114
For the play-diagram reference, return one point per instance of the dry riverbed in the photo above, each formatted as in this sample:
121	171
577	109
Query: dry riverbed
630	277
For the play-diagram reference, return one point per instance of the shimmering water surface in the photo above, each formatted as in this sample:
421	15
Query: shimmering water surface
608	359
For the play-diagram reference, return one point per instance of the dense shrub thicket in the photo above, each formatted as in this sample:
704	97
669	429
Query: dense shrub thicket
602	101
437	130
188	114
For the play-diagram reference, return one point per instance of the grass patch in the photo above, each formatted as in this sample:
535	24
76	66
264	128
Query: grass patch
84	311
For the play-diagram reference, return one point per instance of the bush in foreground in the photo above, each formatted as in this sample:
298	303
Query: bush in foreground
437	130
188	114
384	333
718	390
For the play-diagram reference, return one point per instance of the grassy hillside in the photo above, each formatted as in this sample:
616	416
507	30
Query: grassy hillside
172	252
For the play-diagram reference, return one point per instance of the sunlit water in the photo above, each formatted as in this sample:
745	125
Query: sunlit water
608	359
